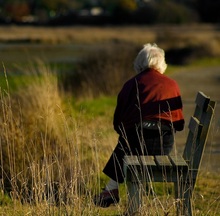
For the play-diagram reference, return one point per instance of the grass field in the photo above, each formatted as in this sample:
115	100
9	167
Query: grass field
54	144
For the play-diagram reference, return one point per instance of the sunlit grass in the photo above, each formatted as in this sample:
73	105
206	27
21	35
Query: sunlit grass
204	62
101	106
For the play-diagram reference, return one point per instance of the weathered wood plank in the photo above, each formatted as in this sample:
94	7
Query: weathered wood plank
162	160
131	160
147	160
193	124
178	160
203	135
202	101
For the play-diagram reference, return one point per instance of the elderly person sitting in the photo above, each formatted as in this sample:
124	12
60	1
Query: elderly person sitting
148	113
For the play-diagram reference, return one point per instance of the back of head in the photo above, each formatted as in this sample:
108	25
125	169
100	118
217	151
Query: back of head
151	56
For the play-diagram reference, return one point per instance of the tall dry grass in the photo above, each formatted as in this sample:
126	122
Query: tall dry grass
50	155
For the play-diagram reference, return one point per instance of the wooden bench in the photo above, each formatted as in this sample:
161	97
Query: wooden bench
182	170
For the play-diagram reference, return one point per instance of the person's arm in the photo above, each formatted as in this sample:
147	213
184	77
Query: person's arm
123	104
180	122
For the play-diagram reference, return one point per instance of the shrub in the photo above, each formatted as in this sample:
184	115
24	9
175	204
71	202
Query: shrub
176	13
102	71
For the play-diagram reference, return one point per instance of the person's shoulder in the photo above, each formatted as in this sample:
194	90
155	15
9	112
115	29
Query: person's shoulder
128	86
131	81
169	79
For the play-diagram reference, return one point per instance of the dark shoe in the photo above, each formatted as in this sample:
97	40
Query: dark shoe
106	198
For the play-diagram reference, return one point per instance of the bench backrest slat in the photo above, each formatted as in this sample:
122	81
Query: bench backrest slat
200	145
198	131
193	124
202	102
195	129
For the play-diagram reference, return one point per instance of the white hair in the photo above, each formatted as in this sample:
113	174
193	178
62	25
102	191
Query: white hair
151	56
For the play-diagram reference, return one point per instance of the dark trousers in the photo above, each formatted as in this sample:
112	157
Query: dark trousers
136	142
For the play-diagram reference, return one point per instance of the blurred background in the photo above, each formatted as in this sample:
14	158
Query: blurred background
101	12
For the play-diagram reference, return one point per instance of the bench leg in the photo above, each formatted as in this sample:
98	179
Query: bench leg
134	197
179	197
189	187
187	207
183	194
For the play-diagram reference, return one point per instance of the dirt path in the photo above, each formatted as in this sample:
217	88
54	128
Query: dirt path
206	80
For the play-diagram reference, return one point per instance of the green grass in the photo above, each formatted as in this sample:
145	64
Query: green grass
207	62
198	63
101	106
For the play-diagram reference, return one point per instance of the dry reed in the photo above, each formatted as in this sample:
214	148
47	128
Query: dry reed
49	155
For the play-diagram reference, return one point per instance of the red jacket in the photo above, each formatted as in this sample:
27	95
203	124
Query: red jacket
149	95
